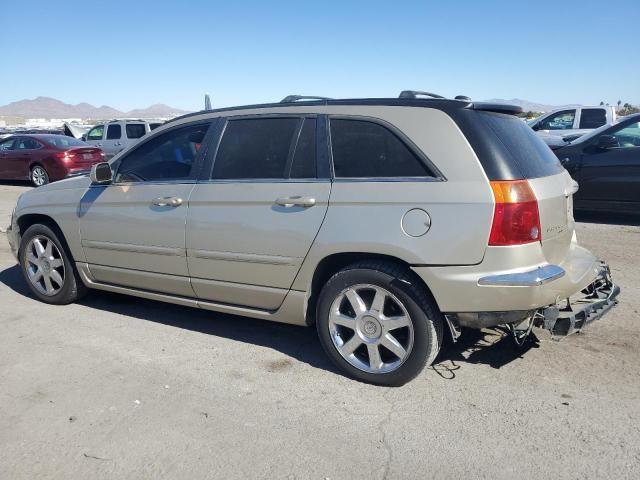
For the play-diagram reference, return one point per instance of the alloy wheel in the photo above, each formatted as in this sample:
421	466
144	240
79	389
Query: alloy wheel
371	329
38	176
44	265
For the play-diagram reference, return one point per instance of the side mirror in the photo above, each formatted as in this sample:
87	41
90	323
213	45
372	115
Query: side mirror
536	126
101	173
607	141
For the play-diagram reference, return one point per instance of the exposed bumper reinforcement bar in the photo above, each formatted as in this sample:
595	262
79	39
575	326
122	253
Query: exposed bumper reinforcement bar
531	278
580	310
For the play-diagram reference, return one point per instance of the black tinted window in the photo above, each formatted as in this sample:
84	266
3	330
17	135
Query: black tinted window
114	132
134	130
366	149
304	160
507	140
254	148
169	156
592	118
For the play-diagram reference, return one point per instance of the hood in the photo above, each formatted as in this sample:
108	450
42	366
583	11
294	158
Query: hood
81	181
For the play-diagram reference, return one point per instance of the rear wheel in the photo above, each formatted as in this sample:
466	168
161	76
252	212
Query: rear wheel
39	176
47	268
378	324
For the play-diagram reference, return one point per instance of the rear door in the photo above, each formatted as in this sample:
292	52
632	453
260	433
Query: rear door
26	152
612	175
251	223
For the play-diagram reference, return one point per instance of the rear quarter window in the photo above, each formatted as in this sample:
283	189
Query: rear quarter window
507	147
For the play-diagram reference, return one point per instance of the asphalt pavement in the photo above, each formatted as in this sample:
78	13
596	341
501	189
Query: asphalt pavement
119	387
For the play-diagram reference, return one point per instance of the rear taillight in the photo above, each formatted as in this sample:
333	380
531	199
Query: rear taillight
516	219
64	156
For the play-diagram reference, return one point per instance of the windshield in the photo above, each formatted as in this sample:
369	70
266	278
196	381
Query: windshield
62	141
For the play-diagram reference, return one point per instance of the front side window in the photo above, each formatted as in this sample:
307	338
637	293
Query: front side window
169	156
96	133
135	130
256	148
114	132
629	136
363	149
592	118
7	144
559	121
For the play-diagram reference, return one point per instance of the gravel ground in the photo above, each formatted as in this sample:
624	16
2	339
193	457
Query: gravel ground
118	387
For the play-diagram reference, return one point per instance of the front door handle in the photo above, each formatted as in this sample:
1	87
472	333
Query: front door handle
296	201
167	201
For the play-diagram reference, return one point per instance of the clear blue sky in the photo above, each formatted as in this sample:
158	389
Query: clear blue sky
129	54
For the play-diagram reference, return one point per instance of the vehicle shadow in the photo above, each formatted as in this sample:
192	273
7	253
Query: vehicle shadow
488	347
608	218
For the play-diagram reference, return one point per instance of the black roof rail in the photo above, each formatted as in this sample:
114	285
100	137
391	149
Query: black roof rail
295	98
415	93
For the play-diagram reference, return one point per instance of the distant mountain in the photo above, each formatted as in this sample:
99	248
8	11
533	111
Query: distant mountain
528	106
45	107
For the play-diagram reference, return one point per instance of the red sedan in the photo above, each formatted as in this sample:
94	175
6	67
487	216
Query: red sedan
45	158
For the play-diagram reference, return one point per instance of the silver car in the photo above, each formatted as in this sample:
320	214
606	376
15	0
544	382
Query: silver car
384	223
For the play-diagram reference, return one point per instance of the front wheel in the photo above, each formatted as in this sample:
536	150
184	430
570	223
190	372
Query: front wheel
39	176
378	324
47	268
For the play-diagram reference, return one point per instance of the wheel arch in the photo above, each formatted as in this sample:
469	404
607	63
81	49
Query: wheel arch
332	264
29	219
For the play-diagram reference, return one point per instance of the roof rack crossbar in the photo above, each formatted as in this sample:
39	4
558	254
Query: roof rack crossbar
295	98
415	93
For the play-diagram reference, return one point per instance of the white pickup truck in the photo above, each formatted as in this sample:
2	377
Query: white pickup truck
573	121
115	135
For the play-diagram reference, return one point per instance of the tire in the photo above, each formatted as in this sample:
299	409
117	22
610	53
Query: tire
38	176
41	253
340	327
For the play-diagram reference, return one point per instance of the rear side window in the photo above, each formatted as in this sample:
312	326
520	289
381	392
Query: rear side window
592	118
27	144
114	132
508	148
134	130
363	149
256	148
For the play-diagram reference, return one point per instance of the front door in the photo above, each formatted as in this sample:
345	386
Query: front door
612	175
251	225
8	162
133	231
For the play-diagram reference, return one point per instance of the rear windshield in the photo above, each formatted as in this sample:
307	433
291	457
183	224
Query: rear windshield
507	147
64	142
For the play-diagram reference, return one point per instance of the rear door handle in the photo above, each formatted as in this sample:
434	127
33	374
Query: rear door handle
296	201
167	201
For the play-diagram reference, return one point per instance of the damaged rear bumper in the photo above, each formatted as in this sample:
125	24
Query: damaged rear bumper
579	310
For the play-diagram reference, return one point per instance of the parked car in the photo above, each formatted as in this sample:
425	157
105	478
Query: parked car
114	136
382	222
574	121
606	164
45	158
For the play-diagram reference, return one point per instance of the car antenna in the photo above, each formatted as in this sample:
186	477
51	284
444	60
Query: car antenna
207	102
